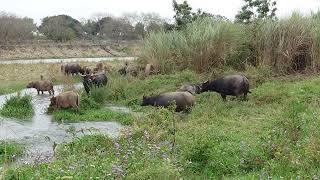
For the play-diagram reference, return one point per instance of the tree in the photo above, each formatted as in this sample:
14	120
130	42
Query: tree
257	9
139	29
184	15
61	28
13	28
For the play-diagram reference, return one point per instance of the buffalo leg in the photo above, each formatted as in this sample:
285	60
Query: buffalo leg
41	92
224	97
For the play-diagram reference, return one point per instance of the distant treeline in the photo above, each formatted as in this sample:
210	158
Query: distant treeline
64	28
130	26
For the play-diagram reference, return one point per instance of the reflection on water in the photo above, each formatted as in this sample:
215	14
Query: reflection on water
40	133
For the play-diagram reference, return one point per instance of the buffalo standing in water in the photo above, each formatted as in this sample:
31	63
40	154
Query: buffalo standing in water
233	85
183	100
43	85
67	99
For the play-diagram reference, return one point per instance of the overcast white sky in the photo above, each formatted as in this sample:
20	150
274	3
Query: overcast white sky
37	9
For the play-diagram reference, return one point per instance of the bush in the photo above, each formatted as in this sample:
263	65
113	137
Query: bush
18	107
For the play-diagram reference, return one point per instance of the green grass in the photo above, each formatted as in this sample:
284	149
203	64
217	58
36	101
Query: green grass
9	151
11	88
273	134
19	107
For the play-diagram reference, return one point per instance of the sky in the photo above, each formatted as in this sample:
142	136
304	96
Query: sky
79	9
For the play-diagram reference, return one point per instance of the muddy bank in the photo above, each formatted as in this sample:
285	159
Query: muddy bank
66	60
40	133
50	49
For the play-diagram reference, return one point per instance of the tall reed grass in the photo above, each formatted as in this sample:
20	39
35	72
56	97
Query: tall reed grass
287	45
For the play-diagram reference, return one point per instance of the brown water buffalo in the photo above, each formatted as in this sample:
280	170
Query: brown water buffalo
67	99
183	100
43	85
233	85
99	67
191	88
149	70
72	69
85	70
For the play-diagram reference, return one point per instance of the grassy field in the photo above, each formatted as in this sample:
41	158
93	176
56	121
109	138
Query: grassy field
273	134
46	50
15	77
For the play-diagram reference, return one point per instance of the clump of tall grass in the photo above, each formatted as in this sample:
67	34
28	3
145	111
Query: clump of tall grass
18	107
290	44
202	45
287	45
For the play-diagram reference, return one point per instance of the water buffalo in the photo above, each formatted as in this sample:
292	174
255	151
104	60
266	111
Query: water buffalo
43	85
85	70
87	82
98	80
149	69
99	67
191	88
72	69
183	100
233	85
66	100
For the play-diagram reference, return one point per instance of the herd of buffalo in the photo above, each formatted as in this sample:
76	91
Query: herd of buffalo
184	97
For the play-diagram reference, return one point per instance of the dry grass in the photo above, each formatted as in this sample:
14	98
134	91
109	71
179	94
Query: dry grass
16	76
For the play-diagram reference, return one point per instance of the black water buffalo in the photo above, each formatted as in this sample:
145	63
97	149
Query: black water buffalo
183	100
87	83
72	69
98	80
233	85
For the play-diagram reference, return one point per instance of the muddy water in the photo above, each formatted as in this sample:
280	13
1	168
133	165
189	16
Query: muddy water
40	133
67	60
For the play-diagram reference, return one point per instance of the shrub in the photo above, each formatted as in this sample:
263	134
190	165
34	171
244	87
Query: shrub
18	107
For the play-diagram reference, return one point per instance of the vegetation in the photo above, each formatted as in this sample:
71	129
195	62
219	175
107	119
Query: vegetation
92	109
15	29
257	9
61	28
273	134
184	15
285	46
18	107
9	151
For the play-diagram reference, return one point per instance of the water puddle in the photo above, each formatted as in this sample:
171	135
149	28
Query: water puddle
67	60
40	133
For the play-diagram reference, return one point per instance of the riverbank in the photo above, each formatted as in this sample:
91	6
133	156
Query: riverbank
68	50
